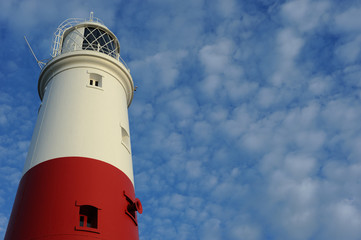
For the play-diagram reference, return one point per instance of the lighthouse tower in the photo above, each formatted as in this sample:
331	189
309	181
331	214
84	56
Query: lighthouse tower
78	177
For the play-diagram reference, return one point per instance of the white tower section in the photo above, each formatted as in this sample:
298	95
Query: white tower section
85	92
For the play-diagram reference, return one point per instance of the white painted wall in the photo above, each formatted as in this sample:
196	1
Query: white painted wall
81	120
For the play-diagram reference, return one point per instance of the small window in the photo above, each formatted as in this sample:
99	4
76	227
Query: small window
88	216
95	80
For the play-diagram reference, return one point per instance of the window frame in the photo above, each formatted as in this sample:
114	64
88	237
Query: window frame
85	227
95	80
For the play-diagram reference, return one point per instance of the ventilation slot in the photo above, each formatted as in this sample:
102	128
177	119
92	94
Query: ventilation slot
125	139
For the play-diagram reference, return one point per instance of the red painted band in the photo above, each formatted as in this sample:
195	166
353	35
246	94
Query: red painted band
73	198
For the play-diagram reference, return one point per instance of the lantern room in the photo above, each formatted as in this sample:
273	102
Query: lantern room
91	34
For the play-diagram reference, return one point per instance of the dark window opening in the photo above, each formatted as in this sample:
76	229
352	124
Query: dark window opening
88	216
95	83
81	224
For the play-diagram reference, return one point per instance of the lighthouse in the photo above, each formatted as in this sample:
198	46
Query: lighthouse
78	180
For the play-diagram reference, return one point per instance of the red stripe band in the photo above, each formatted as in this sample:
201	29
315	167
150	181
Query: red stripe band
74	198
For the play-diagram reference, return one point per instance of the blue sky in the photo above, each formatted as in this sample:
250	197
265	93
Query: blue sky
246	120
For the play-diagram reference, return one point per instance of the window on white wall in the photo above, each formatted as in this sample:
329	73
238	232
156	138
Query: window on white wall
95	80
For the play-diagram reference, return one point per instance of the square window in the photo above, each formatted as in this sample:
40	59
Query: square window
88	215
87	218
95	80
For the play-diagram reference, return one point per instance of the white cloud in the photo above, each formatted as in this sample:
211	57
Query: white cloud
203	131
343	220
34	13
266	97
194	169
216	58
349	51
4	112
320	85
226	8
310	141
143	110
224	77
10	175
210	85
246	232
349	20
300	167
181	103
341	115
289	45
347	25
157	72
211	229
304	14
293	202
